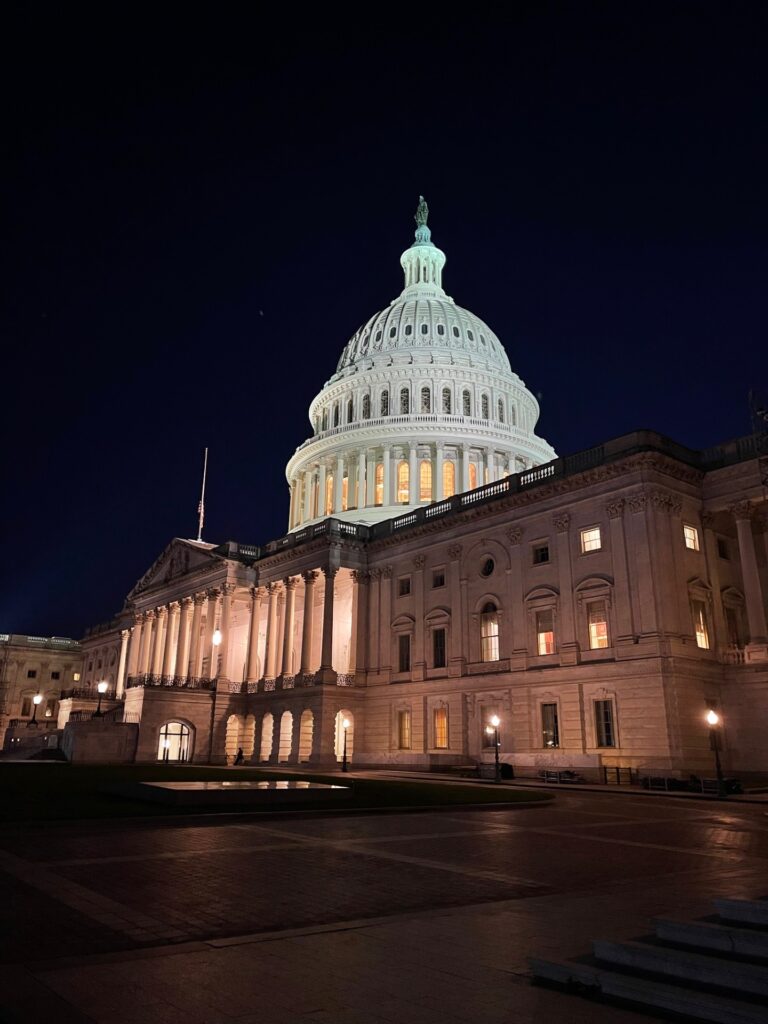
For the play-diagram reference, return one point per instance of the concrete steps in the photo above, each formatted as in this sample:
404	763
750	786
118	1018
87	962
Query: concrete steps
713	970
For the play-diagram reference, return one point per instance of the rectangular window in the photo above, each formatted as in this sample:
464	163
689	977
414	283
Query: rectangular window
404	586
26	706
550	730
733	626
598	625
438	648
541	554
722	548
76	677
691	535
440	726
32	673
404	730
604	731
545	632
55	675
590	540
700	625
404	652
438	578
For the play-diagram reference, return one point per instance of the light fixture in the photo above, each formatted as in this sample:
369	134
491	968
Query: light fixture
495	721
345	723
102	688
714	723
37	699
712	717
494	728
216	639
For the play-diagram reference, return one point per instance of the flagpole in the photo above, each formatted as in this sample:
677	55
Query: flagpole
201	506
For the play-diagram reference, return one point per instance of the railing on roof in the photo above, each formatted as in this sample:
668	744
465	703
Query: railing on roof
49	642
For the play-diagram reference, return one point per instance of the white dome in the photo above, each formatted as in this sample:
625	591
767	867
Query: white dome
423	404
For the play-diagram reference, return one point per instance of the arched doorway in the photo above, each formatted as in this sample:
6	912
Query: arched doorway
267	728
234	737
175	742
306	730
286	729
248	739
341	717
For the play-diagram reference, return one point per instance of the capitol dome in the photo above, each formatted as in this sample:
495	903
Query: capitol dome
423	404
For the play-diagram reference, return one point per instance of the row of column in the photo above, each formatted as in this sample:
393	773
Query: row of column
280	633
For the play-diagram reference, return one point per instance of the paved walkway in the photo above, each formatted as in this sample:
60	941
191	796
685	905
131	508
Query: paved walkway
368	919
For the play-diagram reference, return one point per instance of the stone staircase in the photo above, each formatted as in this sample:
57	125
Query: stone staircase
715	969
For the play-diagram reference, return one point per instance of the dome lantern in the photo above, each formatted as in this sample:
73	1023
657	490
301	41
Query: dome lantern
423	262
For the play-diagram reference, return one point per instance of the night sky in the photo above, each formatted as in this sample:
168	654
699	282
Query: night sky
200	209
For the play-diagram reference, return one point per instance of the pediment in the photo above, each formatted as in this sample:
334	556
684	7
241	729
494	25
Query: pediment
180	558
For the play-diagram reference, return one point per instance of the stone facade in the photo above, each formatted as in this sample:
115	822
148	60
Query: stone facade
35	665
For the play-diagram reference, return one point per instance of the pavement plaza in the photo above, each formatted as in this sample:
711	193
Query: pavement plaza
408	917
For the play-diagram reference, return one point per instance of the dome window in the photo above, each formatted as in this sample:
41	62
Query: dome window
424	329
392	332
455	332
402	482
408	328
366	407
425	481
440	329
426	400
466	404
482	340
336	415
378	335
484	406
384	406
470	335
447	400
501	410
405	401
350	411
325	419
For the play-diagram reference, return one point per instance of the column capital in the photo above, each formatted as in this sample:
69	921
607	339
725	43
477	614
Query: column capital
742	511
561	521
186	602
227	589
637	501
386	572
125	635
199	598
309	577
330	570
615	509
150	614
174	607
138	618
271	588
213	593
290	582
361	577
162	611
256	594
707	519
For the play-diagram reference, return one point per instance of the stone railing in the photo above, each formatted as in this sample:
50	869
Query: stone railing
86	693
172	682
733	655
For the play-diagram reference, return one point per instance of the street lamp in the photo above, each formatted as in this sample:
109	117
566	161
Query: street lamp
216	641
345	725
37	700
102	688
714	722
495	723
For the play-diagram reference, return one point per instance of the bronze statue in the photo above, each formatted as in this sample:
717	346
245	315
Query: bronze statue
422	212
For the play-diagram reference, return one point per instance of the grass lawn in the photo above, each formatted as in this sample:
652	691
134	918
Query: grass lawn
55	791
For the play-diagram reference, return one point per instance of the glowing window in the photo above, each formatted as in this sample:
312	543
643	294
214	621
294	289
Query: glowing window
466	403
384	403
590	539
489	633
598	625
501	410
691	535
402	481
449	479
329	494
404	730
700	624
425	481
76	677
344	493
366	407
174	742
550	729
405	401
545	632
380	483
426	400
440	727
484	408
447	400
472	476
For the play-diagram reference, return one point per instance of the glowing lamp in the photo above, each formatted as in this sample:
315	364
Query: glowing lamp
37	699
346	723
495	721
216	637
713	718
102	687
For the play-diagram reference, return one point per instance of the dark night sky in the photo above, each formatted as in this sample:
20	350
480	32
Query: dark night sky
202	208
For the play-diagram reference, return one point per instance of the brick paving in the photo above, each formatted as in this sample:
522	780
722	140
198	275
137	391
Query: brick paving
371	918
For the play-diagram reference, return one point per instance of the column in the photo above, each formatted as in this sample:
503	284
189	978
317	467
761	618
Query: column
134	653
326	660
160	628
357	654
360	496
645	612
271	656
168	653
387	500
489	468
457	659
418	664
438	495
567	646
124	637
181	669
252	673
372	660
370	479
413	475
146	642
290	608
210	626
225	647
757	648
385	619
292	504
197	615
623	603
338	484
464	486
321	490
308	474
306	632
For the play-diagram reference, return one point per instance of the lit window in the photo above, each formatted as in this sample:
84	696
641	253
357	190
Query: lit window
485	411
604	732
501	410
466	403
440	727
385	403
404	730
489	633
345	494
405	401
449	479
590	539
541	554
691	535
472	476
446	400
402	481
426	400
425	481
380	483
404	652
598	625
545	632
700	625
438	648
75	677
550	730
329	494
404	586
438	578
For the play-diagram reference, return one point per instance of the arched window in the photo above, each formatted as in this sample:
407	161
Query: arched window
425	481
402	481
426	400
408	328
440	329
424	329
385	403
501	410
350	410
512	415
466	404
174	742
405	401
345	494
325	419
336	415
329	494
447	400
489	632
449	479
485	411
366	407
380	483
472	476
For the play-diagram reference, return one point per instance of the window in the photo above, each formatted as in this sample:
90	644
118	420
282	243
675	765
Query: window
447	400
405	401
55	675
402	481
404	586
424	329
366	407
733	626
466	403
691	535
404	652
90	666
484	408
392	332
350	410
336	415
438	648
722	548
32	673
604	731
700	625
501	410
438	578
487	567
380	483
545	632
449	479
329	494
550	731
426	400
590	540
456	332
470	335
440	727
425	481
325	419
174	742
404	730
408	328
378	336
75	677
489	633
384	405
345	494
26	707
440	329
541	554
597	616
472	476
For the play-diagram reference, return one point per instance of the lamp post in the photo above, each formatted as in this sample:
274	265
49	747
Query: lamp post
216	641
715	723
344	765
495	723
37	700
102	688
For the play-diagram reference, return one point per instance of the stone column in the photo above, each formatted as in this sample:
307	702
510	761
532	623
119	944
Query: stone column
134	653
438	492
307	495
252	673
326	661
169	651
372	660
464	485
146	642
197	615
182	650
288	623
516	616
457	658
645	611
418	664
757	648
489	466
357	654
709	547
270	670
413	475
225	647
338	484
360	495
210	626
124	637
567	645
623	602
157	653
385	619
307	627
370	479
321	491
386	459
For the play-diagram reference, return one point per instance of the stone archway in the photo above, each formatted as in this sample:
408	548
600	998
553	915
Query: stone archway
286	735
267	730
306	730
